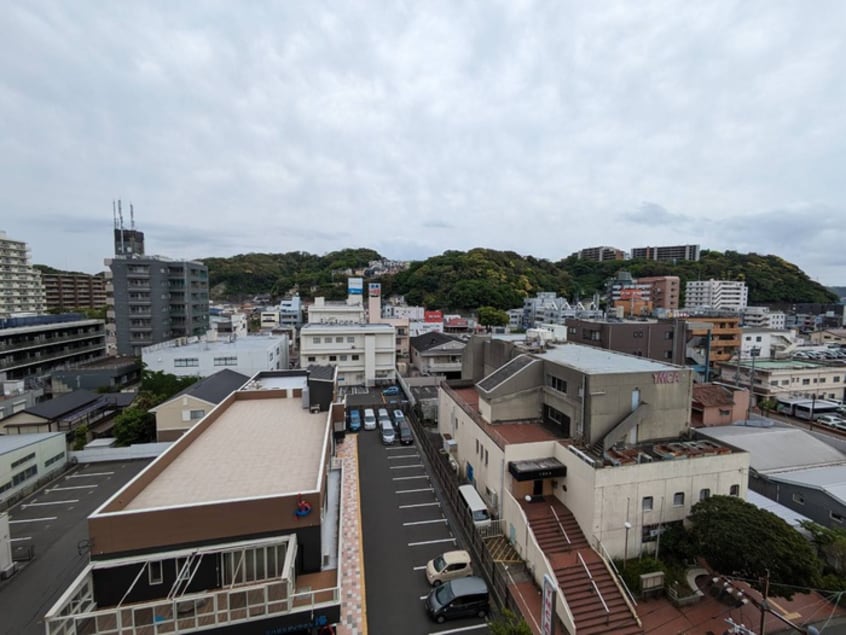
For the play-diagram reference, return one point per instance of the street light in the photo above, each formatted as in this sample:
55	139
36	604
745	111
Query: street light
628	526
753	353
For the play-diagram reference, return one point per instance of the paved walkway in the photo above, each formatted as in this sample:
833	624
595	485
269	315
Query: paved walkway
353	601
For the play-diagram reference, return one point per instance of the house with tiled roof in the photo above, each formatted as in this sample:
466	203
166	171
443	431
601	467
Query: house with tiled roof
66	412
437	354
717	405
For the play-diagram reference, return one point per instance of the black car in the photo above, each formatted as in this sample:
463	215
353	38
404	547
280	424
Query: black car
405	435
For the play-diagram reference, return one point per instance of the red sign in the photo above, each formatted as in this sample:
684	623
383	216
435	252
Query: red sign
547	605
666	377
433	316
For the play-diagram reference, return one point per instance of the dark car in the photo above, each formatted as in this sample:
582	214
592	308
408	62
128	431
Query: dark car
405	435
462	597
354	420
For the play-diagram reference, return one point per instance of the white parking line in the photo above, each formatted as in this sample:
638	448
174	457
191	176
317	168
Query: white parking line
33	520
420	505
396	448
412	491
425	522
420	568
405	467
86	474
408	478
430	542
403	456
69	487
20	539
76	500
459	630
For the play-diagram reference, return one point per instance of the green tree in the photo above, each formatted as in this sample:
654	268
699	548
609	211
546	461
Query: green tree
509	623
134	425
80	437
739	539
489	316
158	386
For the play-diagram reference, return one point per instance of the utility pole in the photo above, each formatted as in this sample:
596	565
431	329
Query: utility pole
764	601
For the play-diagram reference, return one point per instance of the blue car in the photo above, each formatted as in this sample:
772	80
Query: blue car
391	390
355	421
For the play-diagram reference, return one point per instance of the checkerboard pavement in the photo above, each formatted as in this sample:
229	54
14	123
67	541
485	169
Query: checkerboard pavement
353	600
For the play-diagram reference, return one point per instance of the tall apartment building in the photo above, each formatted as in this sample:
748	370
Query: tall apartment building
670	253
68	290
21	290
600	254
663	291
720	295
152	299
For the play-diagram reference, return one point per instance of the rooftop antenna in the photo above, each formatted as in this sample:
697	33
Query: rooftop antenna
131	217
120	217
114	213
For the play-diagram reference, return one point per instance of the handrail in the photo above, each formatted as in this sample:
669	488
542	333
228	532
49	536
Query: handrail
593	582
560	526
607	557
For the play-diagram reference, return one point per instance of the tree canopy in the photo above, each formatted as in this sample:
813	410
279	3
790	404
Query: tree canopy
739	539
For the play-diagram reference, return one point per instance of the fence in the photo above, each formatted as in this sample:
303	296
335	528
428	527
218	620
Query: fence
495	574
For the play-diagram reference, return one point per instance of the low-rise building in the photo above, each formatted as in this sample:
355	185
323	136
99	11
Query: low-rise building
67	412
437	354
235	528
829	336
16	397
365	354
787	378
660	340
107	373
718	405
589	440
27	460
204	356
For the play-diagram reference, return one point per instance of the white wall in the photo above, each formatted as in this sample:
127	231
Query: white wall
45	450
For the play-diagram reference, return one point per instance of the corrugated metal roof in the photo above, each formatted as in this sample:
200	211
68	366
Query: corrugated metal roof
591	360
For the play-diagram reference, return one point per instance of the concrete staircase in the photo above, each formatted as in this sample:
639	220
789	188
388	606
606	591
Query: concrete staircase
592	593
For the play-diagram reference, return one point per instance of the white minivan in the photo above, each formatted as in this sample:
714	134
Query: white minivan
475	506
369	419
389	435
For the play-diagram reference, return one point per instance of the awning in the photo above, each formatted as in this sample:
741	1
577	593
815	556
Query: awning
532	470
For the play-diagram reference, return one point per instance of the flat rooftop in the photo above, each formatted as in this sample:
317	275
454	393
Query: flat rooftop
782	364
12	442
597	361
248	343
255	448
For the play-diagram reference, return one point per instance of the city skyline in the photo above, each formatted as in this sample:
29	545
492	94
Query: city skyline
535	128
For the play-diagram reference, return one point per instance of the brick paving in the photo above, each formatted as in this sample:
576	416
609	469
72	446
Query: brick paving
353	600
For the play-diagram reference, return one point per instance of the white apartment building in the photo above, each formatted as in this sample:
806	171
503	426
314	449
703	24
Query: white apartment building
762	317
202	357
723	295
349	312
364	354
21	290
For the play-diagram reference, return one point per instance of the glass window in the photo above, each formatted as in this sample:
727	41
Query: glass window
798	498
678	499
704	493
734	490
315	340
647	503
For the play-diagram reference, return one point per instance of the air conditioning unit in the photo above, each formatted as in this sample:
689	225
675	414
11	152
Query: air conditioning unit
450	446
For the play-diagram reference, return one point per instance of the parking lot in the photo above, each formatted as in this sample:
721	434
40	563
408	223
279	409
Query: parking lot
403	527
51	524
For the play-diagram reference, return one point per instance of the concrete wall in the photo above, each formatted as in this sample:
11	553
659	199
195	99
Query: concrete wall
52	449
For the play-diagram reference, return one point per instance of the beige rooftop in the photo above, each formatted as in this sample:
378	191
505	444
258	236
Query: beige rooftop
256	447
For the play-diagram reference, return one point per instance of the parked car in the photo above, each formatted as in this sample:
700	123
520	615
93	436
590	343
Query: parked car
391	390
369	419
830	420
384	416
398	416
354	420
462	597
404	433
448	566
389	435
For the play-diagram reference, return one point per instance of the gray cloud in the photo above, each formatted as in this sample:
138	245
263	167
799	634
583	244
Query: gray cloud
534	127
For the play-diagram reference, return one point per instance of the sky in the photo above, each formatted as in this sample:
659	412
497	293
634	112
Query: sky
416	127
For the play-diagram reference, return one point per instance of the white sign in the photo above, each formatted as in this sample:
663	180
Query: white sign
548	605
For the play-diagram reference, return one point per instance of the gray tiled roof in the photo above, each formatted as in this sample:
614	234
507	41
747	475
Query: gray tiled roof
62	405
215	388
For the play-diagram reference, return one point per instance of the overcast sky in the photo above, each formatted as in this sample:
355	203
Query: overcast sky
417	127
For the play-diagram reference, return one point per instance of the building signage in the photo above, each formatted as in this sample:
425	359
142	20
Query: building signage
433	316
630	293
355	286
666	377
547	605
374	289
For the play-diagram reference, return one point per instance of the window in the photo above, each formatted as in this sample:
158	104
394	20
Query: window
668	354
806	381
836	517
154	572
486	457
354	358
668	335
734	490
28	473
798	498
333	358
194	415
637	334
186	362
315	340
647	503
343	358
339	339
23	459
226	361
556	383
477	446
54	459
311	358
758	338
678	499
350	339
704	493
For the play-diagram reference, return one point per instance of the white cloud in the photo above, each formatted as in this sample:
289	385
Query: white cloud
414	128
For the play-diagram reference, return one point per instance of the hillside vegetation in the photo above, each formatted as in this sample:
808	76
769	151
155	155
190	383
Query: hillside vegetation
463	281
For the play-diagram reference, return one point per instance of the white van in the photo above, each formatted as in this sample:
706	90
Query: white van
389	436
475	506
369	419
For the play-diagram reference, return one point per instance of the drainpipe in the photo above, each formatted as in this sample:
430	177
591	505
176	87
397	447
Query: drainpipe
708	356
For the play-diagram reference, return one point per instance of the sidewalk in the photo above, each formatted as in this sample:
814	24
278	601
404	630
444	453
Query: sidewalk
353	600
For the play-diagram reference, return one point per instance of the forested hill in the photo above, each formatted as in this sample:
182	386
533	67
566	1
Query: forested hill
457	280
